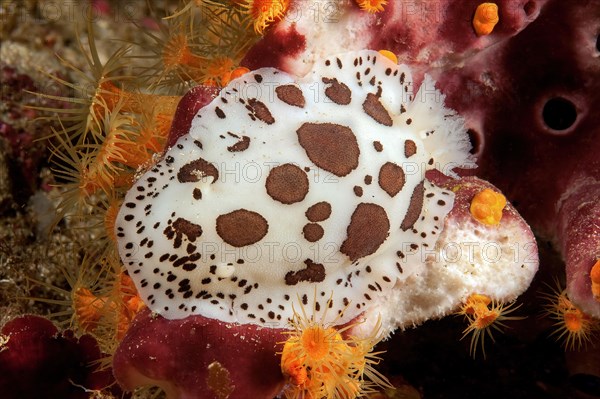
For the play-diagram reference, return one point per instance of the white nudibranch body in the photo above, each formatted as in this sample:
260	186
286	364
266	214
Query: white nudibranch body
289	188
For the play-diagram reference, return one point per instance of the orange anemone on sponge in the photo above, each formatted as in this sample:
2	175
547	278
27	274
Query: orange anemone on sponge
572	326
484	314
390	55
264	12
319	360
595	277
371	6
485	18
487	206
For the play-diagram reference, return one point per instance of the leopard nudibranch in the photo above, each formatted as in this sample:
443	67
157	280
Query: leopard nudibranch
290	190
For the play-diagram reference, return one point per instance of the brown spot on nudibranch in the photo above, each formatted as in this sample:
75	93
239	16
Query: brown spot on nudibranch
290	95
373	107
369	228
260	111
241	227
414	207
391	178
313	232
330	146
313	273
197	193
219	113
410	148
287	184
337	92
378	146
181	227
194	171
241	145
319	212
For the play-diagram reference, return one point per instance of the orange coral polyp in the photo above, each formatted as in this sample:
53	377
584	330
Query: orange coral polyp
572	326
389	55
176	53
486	318
475	303
371	6
137	103
221	71
131	303
238	72
140	150
89	183
595	278
483	314
146	139
115	309
88	308
296	372
264	12
122	141
314	340
487	205
101	176
110	216
485	18
573	320
111	150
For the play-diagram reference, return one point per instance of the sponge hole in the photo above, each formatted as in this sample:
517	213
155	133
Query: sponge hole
559	114
529	8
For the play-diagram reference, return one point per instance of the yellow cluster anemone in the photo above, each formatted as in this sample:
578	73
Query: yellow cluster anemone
121	303
190	43
572	326
107	132
118	142
101	300
319	362
484	315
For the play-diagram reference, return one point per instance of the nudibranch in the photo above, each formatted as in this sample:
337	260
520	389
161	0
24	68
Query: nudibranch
307	189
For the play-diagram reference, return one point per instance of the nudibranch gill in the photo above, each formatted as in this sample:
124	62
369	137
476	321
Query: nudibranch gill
289	189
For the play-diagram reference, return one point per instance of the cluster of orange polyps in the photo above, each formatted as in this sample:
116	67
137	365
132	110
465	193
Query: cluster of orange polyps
319	362
117	308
